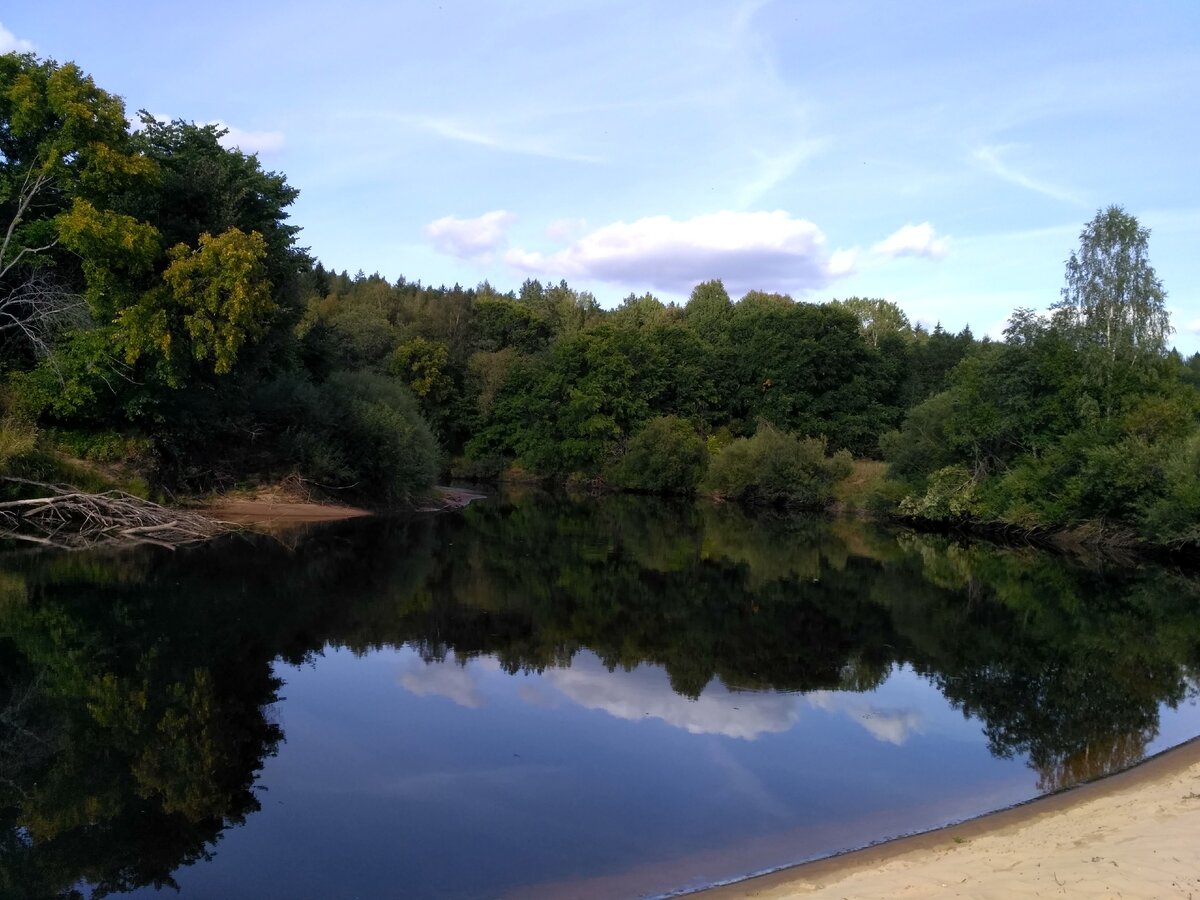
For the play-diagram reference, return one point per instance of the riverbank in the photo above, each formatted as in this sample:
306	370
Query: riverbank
279	507
1129	835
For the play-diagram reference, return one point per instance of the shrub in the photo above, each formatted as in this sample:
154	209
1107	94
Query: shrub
1175	517
366	435
952	494
666	456
773	467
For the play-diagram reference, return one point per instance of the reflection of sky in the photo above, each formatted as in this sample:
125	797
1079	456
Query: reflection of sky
891	714
457	779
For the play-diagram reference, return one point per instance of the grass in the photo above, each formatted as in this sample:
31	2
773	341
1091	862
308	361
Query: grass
853	493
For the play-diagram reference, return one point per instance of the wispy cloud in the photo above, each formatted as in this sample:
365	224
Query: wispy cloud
990	157
774	169
10	43
767	250
913	240
472	239
493	139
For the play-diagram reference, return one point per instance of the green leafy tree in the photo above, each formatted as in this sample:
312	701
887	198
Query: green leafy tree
64	155
708	309
877	318
215	300
1114	305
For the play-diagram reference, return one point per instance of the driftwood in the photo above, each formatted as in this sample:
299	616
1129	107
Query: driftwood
74	520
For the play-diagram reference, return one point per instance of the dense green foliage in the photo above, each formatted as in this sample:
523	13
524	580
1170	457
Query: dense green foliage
150	284
776	468
667	457
1077	421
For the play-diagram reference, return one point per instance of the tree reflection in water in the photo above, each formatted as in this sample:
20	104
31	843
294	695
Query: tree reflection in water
136	688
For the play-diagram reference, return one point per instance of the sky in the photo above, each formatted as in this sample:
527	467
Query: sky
944	156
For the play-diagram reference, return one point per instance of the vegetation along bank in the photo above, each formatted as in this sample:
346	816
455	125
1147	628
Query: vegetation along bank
161	331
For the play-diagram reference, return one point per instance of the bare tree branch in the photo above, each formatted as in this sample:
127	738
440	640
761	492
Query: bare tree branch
39	308
72	520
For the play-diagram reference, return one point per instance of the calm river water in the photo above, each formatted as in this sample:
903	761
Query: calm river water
540	697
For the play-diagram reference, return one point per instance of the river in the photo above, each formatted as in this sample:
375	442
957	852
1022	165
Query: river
551	697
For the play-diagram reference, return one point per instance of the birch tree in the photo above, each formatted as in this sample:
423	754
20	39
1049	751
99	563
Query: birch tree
1114	305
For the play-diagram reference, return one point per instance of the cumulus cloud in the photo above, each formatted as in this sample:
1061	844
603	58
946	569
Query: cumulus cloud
913	240
892	726
565	229
1193	326
442	679
766	250
10	43
646	692
470	238
250	141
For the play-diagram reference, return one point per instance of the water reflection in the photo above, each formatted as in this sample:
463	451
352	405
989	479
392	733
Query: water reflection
137	690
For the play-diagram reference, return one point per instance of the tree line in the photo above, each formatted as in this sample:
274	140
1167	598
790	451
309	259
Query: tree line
156	309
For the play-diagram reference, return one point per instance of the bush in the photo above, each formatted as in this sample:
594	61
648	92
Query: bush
364	434
667	457
773	467
952	495
1175	517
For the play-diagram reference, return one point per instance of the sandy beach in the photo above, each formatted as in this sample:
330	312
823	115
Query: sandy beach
277	508
1134	834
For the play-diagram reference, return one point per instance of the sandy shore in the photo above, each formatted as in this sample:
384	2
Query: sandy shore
269	513
1135	834
276	508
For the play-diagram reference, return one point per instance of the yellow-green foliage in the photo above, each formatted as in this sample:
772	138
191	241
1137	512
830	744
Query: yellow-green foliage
16	440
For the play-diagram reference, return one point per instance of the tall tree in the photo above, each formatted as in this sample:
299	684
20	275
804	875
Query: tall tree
64	152
1114	304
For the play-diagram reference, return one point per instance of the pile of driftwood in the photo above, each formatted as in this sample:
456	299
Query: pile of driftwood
69	519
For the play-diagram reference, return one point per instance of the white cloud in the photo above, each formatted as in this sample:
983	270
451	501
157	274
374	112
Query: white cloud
250	141
913	240
565	229
646	692
442	679
10	43
990	158
470	238
892	726
765	250
1193	326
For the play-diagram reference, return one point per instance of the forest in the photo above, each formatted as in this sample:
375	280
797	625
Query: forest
161	326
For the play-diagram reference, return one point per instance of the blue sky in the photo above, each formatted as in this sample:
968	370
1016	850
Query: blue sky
941	155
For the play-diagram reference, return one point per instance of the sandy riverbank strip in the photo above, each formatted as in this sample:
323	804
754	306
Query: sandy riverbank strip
1134	834
273	509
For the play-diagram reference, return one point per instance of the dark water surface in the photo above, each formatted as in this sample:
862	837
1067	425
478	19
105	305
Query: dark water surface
537	697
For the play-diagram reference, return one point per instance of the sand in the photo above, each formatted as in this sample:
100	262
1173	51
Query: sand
1135	834
277	508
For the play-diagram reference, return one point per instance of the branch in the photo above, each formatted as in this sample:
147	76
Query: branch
72	520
